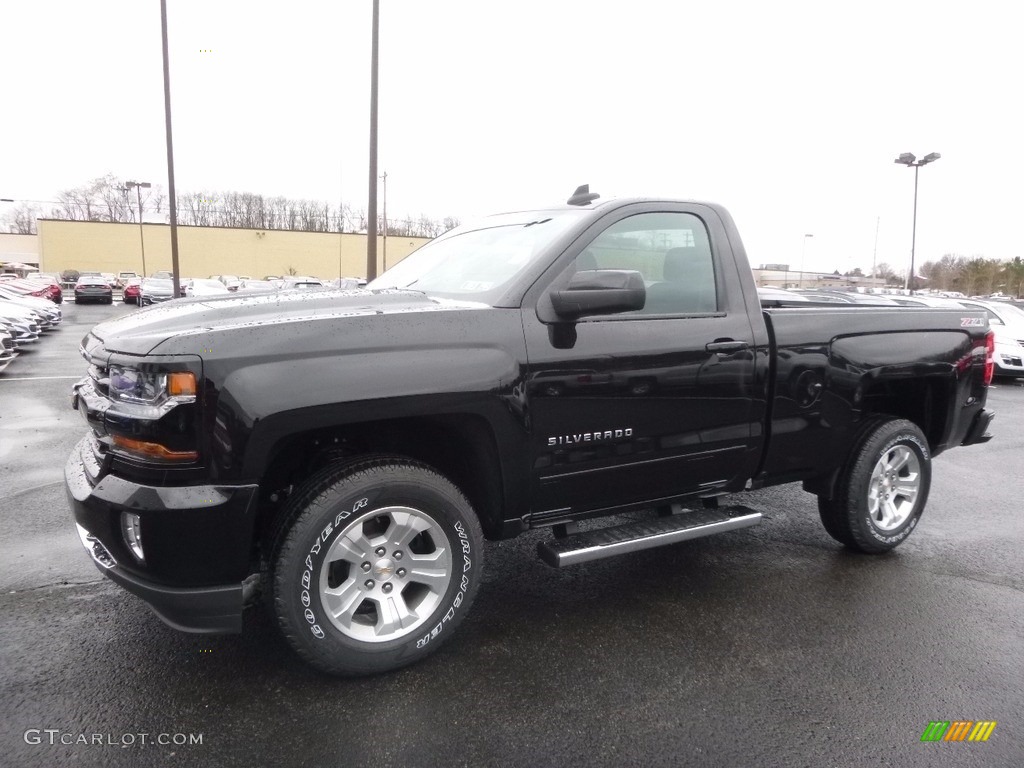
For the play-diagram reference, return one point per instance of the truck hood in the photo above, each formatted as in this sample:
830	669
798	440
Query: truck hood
141	332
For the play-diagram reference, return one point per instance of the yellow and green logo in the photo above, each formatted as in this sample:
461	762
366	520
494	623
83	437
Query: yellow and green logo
958	730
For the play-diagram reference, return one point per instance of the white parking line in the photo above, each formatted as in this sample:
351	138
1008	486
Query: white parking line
36	378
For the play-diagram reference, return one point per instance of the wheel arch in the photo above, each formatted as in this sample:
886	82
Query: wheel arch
926	402
461	446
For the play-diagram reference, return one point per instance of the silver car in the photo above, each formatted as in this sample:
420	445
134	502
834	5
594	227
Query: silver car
7	353
154	290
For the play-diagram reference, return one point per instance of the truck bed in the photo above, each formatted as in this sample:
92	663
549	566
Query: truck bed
832	368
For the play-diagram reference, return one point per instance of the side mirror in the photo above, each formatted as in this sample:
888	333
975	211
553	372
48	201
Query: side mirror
600	292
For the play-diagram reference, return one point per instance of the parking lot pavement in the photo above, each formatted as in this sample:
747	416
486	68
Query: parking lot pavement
767	646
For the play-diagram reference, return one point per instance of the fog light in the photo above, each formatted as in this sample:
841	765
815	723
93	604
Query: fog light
131	529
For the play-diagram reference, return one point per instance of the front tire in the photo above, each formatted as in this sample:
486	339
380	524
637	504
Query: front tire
881	492
379	563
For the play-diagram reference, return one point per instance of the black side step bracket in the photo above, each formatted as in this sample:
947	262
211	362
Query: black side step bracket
634	537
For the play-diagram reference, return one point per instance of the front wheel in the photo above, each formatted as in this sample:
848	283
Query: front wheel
881	492
380	562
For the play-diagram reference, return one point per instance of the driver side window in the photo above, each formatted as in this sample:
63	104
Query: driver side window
671	251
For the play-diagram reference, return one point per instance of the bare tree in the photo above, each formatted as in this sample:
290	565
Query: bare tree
22	219
107	199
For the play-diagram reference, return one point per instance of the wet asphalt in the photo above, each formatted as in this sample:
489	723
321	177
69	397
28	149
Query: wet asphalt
770	646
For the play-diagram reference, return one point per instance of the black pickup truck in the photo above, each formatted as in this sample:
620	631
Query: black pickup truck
346	453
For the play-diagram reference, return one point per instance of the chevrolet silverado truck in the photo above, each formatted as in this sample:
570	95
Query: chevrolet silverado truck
345	454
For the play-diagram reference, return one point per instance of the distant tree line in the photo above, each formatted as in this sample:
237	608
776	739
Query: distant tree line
973	276
109	199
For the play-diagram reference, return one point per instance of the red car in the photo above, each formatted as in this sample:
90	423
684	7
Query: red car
131	290
43	287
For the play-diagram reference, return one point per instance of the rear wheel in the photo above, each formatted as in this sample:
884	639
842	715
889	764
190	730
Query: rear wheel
380	561
881	492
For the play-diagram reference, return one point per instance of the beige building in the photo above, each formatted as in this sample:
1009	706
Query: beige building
205	251
784	278
19	249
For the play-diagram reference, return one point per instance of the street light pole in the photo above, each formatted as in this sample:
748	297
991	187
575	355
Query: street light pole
909	160
171	194
371	223
384	214
803	256
139	186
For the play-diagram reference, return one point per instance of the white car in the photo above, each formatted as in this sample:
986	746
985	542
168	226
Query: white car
7	353
199	287
48	308
1007	321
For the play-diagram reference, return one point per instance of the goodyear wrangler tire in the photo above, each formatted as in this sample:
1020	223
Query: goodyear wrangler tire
379	565
882	490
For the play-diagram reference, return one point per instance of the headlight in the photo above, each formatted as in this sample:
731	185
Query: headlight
128	385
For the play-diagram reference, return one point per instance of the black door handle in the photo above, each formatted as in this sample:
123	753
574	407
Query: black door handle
725	346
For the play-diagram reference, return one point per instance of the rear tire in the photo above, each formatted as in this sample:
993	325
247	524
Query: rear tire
375	564
882	490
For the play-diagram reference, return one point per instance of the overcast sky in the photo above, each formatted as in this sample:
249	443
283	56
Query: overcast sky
788	113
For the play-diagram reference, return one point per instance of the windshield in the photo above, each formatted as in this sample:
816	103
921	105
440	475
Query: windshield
475	260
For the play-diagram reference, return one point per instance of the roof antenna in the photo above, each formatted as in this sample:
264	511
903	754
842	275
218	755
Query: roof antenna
582	196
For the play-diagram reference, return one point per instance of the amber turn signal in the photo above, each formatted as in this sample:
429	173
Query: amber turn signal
153	450
181	384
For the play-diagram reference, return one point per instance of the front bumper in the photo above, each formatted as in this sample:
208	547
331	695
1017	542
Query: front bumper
197	541
145	299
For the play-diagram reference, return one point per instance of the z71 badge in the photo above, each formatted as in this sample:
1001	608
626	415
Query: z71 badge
971	322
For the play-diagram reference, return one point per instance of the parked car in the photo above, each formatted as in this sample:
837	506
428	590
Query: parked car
777	297
54	292
231	282
37	316
846	297
296	283
155	290
43	290
924	301
347	283
252	286
41	306
131	290
163	274
123	277
1007	322
197	287
90	288
25	331
7	351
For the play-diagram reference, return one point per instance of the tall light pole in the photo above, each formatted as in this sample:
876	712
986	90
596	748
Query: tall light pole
139	186
371	216
171	195
910	161
385	216
803	256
